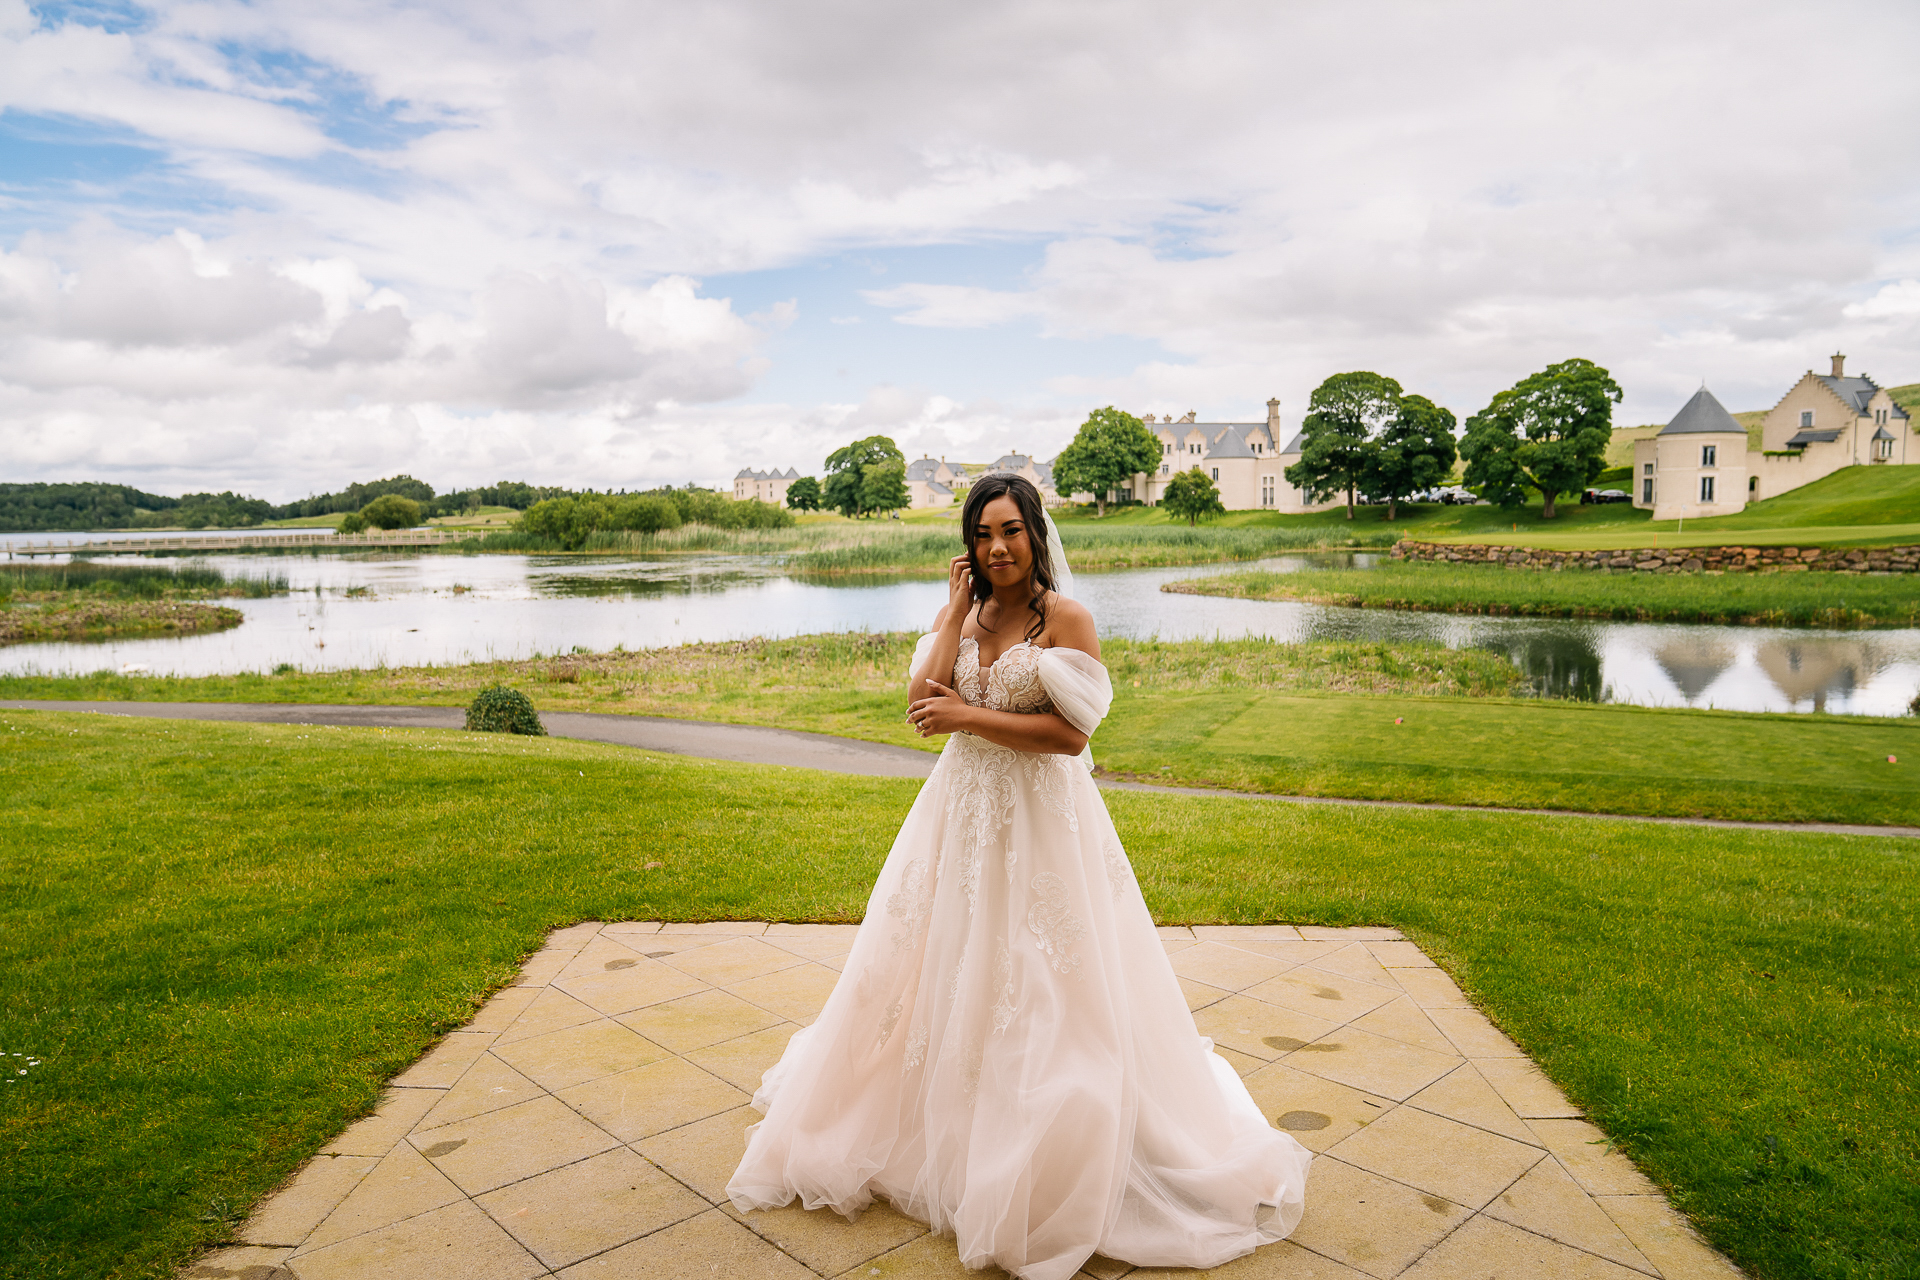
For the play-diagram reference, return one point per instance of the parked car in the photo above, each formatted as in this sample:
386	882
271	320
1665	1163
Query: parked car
1454	496
1600	497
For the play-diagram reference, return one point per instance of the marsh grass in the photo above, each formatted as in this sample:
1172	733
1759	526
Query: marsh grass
144	581
1836	600
213	997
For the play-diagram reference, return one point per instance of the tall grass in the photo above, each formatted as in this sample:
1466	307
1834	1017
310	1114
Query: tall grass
1095	547
144	581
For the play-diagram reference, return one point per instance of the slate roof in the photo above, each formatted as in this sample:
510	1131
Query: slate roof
1856	392
1295	445
1801	439
748	473
1701	415
922	469
1043	471
1883	434
1228	443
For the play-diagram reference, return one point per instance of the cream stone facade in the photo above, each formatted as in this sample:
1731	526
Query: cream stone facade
1696	466
1040	473
767	486
1245	461
934	483
1700	465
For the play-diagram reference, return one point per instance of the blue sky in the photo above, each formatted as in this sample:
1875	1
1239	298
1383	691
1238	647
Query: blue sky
279	247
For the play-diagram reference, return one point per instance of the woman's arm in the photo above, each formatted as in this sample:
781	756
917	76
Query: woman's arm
944	711
947	626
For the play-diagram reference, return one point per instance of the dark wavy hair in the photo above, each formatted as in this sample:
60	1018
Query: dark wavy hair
1033	514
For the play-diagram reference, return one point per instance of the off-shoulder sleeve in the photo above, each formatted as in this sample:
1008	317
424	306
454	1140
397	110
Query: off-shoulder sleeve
1078	685
923	651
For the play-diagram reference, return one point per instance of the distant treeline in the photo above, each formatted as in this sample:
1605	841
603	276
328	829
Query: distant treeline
28	508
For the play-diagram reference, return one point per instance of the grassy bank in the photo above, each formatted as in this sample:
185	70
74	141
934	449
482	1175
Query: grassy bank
1781	600
108	619
1853	507
846	683
87	601
1310	719
209	1000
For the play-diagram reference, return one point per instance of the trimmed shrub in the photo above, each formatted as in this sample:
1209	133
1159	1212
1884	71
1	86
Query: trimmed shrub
353	522
503	710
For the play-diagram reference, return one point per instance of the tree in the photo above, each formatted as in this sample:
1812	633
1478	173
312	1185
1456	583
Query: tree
1192	495
1110	448
1336	438
352	523
804	494
883	486
1549	432
1415	451
391	511
845	488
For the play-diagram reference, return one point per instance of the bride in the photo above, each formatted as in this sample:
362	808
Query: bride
1007	1055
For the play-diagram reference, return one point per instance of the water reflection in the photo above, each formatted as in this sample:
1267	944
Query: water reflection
1694	663
1556	664
1816	672
397	610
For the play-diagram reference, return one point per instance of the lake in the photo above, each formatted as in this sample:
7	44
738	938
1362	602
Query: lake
412	610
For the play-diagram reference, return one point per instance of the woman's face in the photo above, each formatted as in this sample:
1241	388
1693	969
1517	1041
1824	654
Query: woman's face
1000	543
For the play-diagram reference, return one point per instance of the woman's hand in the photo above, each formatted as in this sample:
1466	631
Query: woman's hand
944	711
959	593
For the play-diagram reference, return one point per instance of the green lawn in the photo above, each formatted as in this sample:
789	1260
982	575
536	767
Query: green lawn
1856	507
217	941
1598	758
1770	599
1310	719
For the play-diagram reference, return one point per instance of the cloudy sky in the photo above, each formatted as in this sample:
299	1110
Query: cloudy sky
281	246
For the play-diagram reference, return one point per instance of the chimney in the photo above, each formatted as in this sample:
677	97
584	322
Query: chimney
1191	415
1273	414
1839	365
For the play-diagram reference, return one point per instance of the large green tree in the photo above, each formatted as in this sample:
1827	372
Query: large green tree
1190	495
1110	448
883	486
848	489
1337	445
804	494
1549	432
1415	451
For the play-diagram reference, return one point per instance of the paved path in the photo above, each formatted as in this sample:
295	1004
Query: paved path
751	744
585	1123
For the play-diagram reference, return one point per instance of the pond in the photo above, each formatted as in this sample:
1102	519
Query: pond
409	610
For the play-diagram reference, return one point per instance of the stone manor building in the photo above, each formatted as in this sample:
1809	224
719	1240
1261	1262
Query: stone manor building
1245	461
1700	465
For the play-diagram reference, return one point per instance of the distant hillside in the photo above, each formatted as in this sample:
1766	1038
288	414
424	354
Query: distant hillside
1907	397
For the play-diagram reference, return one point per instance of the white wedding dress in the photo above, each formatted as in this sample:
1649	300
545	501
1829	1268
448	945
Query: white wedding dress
1007	1055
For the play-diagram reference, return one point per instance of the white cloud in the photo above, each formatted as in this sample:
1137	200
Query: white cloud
498	268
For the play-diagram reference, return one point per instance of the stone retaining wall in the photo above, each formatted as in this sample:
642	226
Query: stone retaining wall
1677	560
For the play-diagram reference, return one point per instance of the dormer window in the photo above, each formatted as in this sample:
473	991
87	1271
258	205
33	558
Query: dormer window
1806	419
1707	453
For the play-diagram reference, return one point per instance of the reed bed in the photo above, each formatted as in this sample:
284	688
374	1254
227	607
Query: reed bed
1833	600
144	581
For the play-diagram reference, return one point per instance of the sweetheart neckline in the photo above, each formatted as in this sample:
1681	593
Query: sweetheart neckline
988	669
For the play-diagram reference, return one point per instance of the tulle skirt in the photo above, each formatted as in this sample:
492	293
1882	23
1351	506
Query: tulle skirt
1008	1057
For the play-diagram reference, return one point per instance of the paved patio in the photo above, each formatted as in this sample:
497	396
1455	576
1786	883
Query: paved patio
585	1123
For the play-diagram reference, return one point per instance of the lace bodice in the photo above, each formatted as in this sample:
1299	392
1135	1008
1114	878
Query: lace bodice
1012	683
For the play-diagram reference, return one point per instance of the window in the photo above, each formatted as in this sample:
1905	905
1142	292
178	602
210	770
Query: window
1216	473
1885	448
1166	468
1193	448
1256	446
1753	487
1646	490
1806	419
1707	453
1266	491
1706	488
1646	468
1165	449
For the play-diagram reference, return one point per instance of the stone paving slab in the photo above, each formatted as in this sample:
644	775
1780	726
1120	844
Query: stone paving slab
584	1125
